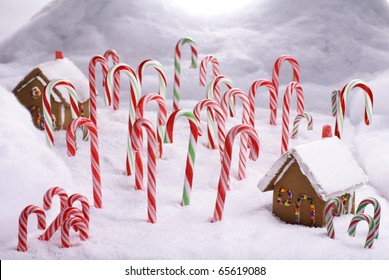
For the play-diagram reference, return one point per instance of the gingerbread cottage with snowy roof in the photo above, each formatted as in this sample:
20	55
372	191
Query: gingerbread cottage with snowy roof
305	177
29	91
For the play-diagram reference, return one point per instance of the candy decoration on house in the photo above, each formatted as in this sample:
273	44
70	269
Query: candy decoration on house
312	214
273	105
321	170
73	222
23	220
30	90
371	233
377	211
333	207
177	67
334	101
275	79
94	147
296	123
224	178
50	193
116	90
134	96
137	145
342	102
286	110
191	155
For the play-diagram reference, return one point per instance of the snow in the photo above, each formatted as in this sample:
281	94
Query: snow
334	41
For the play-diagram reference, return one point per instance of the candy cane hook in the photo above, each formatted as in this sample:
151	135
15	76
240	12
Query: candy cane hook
116	94
273	105
23	221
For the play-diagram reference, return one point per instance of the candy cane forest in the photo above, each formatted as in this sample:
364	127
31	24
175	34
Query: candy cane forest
219	170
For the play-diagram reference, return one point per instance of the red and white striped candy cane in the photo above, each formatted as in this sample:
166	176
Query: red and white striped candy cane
203	70
59	220
134	96
160	71
115	59
151	162
94	147
286	110
50	193
177	67
92	85
342	102
275	79
162	116
371	233
334	101
252	92
334	206
73	222
23	220
377	211
232	94
191	155
296	123
225	169
85	207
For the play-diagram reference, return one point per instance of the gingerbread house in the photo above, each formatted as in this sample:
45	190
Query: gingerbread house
29	91
305	177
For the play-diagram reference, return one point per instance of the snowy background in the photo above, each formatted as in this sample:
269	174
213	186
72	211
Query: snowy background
334	42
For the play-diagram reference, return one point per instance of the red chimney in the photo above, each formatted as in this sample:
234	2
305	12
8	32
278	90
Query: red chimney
327	131
58	55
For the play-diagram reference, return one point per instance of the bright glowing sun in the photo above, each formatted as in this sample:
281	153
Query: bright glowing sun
210	7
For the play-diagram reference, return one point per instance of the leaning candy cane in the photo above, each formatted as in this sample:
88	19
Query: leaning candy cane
134	96
116	60
177	67
377	211
191	155
73	222
94	146
85	207
225	169
92	85
370	235
151	162
50	193
275	80
342	102
232	94
334	101
273	105
296	123
334	206
286	109
23	220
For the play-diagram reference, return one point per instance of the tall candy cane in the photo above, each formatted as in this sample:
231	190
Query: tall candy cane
116	60
85	207
371	233
177	67
286	110
191	155
50	193
377	211
23	220
275	79
134	96
94	147
137	145
73	222
232	94
296	123
334	101
92	85
334	206
273	105
225	169
342	102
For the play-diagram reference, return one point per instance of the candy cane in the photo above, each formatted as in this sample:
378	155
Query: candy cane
334	206
85	207
203	69
116	60
334	101
275	79
94	147
273	105
342	102
371	233
134	96
377	211
23	220
191	155
232	94
92	85
177	67
296	123
286	109
73	222
151	163
50	193
225	169
162	115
